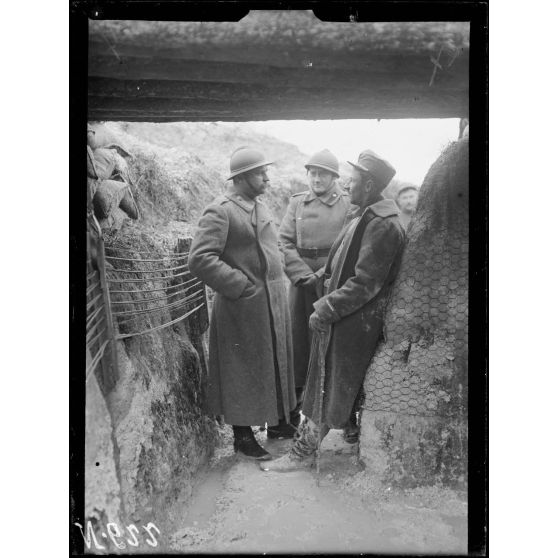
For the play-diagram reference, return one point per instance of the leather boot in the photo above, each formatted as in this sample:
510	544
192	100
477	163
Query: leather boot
351	431
281	430
245	442
302	453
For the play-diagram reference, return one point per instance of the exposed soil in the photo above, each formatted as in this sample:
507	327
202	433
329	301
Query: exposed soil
237	508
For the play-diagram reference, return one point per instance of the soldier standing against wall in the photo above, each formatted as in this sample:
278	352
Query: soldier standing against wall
235	252
313	220
360	270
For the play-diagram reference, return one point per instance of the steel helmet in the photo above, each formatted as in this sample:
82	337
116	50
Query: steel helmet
324	159
245	159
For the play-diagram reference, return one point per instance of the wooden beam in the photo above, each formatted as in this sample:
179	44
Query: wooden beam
272	55
268	66
390	71
194	101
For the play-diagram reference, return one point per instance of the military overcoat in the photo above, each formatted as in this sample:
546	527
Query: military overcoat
308	229
250	353
361	268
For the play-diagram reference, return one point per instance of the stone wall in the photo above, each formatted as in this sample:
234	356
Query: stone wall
414	422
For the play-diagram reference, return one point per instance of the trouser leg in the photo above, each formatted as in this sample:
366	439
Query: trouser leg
285	428
295	413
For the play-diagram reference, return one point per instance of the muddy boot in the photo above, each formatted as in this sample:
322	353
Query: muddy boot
281	430
245	443
302	453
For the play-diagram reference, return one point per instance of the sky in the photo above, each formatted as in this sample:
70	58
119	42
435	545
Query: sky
410	145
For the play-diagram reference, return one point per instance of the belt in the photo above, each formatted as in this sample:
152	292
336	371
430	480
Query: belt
313	252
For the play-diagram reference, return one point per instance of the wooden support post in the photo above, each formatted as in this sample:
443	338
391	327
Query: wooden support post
109	362
199	321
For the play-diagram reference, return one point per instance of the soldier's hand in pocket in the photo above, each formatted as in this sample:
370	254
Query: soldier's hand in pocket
249	290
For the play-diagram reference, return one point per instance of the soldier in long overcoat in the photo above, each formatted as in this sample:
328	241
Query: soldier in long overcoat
235	251
360	270
311	223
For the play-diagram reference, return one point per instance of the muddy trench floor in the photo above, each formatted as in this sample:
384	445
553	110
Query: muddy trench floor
237	508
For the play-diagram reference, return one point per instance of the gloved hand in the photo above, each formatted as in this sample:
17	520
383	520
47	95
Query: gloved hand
308	282
316	324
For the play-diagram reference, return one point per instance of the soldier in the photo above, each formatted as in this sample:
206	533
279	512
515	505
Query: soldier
235	251
360	270
313	220
406	200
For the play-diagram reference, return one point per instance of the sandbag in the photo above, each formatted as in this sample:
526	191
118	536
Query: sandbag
105	162
113	223
108	196
103	137
120	150
128	204
92	184
91	137
91	169
120	167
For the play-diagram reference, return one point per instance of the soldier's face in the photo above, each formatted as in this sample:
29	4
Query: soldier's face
320	180
256	181
357	187
407	201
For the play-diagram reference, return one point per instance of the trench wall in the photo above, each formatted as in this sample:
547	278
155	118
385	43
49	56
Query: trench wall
146	434
414	421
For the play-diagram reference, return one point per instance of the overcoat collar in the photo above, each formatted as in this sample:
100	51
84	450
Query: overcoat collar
382	208
241	200
330	198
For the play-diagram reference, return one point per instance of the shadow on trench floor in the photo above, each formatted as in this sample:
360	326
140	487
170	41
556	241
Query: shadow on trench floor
235	508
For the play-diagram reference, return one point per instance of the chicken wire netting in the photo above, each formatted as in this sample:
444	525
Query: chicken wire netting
420	368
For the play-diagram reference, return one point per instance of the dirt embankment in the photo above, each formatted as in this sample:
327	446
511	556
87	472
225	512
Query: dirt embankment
147	436
178	168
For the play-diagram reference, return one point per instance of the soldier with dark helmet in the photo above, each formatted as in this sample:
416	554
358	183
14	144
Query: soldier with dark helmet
311	224
235	251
